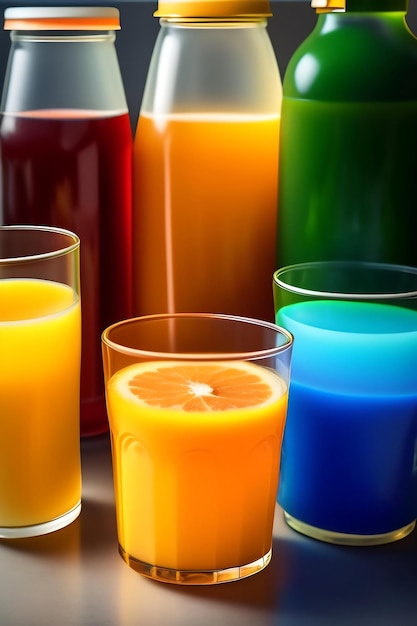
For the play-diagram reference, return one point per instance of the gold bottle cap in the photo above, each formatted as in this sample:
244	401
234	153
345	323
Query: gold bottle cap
194	9
61	18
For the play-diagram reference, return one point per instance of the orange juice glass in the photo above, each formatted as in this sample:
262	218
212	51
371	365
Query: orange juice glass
40	327
197	407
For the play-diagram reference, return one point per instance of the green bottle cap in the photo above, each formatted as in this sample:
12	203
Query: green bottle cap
359	6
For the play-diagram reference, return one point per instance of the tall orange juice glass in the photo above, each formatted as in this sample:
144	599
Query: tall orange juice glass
40	329
197	407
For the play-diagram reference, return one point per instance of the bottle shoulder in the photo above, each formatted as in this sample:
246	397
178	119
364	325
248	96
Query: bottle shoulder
219	69
355	60
74	74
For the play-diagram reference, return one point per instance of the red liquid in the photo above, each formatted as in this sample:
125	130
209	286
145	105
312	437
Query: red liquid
73	169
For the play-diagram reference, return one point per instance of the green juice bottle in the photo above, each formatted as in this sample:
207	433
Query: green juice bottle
348	149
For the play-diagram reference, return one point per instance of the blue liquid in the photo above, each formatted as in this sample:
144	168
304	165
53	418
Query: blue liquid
349	452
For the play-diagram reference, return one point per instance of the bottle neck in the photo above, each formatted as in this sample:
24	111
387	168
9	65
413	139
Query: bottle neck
212	22
360	6
328	22
62	36
374	6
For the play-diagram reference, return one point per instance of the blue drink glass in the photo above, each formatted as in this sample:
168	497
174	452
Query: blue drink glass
349	457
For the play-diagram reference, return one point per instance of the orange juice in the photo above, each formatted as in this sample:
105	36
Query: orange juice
205	197
39	401
196	490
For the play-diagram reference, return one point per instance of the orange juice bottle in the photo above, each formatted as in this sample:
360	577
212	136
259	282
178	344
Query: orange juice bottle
206	162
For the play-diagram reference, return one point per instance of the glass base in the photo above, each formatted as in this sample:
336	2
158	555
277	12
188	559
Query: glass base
346	538
195	577
20	532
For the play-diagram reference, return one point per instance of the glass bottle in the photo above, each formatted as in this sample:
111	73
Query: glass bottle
206	161
66	154
347	183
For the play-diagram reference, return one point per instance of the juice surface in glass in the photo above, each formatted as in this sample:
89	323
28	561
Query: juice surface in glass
349	450
205	230
81	162
195	490
40	474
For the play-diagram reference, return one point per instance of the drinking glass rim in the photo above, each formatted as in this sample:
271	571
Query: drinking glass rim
389	295
194	356
60	251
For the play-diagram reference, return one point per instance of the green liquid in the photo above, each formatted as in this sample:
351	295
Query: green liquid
348	180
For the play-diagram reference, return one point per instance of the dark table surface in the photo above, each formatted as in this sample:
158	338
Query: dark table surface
75	577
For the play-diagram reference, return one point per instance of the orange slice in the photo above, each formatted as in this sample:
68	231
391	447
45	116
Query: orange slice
199	386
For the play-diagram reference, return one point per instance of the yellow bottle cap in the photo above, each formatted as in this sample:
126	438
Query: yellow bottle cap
326	6
191	9
61	18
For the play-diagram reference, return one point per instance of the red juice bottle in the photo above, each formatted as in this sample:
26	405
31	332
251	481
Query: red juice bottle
66	153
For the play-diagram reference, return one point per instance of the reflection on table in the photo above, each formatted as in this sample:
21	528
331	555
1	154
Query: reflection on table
75	577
